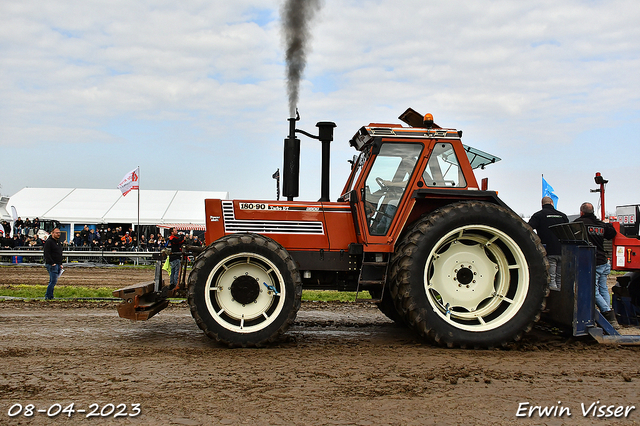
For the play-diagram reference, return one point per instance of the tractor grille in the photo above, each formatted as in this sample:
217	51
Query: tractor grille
233	225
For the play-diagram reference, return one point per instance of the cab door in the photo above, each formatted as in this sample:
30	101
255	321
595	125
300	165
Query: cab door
352	194
383	188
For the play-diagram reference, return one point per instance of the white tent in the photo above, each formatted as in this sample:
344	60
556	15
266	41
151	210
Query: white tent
4	213
96	206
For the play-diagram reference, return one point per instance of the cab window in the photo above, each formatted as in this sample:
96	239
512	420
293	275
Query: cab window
356	168
443	169
386	183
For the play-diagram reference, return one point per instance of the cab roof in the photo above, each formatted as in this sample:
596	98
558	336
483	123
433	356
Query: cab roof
367	134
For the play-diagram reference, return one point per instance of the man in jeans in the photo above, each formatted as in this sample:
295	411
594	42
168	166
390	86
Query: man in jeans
53	260
541	221
175	244
597	232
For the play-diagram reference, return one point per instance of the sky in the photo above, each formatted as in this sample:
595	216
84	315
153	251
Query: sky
194	91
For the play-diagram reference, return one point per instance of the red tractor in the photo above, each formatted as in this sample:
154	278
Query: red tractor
626	257
412	227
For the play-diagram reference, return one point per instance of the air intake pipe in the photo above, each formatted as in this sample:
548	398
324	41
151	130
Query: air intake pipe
325	134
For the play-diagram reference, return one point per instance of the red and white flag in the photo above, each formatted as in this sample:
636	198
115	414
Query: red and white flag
130	181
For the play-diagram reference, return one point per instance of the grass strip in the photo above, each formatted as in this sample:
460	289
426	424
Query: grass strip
61	291
332	296
35	291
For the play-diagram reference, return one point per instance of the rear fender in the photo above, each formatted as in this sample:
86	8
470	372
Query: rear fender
428	200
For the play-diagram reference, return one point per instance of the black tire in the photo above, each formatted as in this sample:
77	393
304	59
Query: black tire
386	305
231	290
470	274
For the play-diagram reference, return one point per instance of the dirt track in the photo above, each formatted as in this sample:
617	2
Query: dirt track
114	277
340	364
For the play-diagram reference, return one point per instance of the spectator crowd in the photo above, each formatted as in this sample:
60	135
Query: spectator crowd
119	239
25	234
22	227
103	239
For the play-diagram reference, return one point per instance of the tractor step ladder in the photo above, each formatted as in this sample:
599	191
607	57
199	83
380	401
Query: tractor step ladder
381	279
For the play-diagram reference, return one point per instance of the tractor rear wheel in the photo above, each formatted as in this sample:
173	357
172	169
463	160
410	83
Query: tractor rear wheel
244	290
470	274
386	305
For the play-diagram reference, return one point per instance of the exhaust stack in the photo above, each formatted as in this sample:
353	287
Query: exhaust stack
291	166
291	174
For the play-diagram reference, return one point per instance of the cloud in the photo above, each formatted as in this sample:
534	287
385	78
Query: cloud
530	82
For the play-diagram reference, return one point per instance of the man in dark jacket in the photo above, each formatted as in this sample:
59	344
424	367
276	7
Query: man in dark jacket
597	232
84	235
17	226
6	242
7	228
53	260
540	221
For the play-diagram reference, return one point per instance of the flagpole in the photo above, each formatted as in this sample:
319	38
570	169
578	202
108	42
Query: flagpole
138	227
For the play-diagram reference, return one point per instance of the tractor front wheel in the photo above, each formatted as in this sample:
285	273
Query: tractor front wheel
244	290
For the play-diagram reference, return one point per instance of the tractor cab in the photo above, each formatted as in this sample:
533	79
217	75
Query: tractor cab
397	164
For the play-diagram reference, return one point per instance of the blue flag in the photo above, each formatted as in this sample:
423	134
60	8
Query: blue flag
547	191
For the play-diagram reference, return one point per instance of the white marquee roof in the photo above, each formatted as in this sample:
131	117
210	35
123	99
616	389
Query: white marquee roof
93	206
4	213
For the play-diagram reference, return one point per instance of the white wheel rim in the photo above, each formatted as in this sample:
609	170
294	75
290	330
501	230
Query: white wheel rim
249	317
476	278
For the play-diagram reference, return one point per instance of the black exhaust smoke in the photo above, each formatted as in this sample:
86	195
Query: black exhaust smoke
296	15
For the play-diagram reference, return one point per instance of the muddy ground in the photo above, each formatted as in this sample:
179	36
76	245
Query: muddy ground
93	277
340	364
